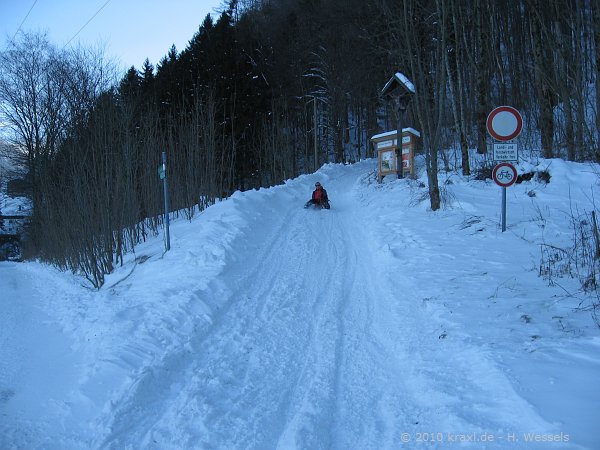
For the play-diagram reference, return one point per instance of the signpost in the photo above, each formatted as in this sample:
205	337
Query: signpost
504	123
162	174
505	175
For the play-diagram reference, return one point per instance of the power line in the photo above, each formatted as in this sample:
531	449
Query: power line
23	21
86	24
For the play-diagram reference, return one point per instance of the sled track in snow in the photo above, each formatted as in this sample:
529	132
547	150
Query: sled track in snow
285	358
313	348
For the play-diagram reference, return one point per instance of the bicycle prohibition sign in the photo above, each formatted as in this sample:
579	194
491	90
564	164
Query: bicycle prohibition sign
504	174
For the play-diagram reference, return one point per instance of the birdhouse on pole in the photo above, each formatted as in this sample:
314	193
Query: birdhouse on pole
399	89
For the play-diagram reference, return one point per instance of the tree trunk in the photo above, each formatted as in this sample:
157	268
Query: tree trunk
483	63
542	60
596	32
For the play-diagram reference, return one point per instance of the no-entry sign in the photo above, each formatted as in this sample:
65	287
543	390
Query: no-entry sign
504	123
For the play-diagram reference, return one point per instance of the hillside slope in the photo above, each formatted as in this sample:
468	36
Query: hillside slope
376	324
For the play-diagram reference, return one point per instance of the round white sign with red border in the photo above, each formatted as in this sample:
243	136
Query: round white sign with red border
504	174
504	123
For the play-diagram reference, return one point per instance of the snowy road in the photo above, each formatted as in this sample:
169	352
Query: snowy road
373	325
320	344
294	360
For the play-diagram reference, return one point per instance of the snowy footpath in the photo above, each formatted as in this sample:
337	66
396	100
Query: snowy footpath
374	325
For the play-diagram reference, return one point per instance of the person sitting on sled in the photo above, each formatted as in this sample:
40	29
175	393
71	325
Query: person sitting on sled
319	197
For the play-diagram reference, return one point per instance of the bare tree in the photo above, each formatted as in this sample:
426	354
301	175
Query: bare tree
41	91
31	101
596	33
543	63
424	38
456	84
483	69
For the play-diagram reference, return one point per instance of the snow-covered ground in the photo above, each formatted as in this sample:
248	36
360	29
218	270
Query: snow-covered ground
377	324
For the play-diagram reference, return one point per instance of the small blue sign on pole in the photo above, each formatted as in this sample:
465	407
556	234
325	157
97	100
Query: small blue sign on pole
162	172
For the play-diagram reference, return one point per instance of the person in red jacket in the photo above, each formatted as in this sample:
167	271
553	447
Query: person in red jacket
319	197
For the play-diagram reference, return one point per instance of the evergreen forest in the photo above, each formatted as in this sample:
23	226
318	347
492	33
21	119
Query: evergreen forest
270	89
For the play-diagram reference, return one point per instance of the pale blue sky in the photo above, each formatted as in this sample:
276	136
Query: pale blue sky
129	30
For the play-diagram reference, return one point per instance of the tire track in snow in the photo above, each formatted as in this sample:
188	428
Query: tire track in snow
242	358
367	387
284	328
142	407
312	411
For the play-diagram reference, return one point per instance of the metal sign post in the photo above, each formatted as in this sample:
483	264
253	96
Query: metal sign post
505	123
503	209
505	175
162	173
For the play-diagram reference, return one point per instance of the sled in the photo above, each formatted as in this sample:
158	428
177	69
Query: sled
311	205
